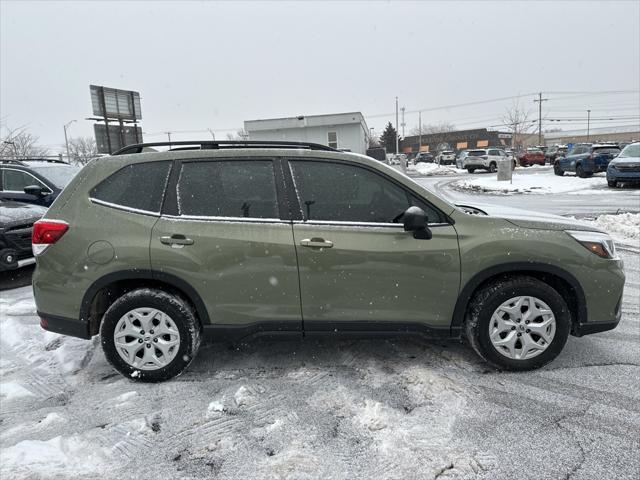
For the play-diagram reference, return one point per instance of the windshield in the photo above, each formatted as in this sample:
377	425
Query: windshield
59	175
632	150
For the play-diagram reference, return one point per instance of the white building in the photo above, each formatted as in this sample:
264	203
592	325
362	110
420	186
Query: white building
346	131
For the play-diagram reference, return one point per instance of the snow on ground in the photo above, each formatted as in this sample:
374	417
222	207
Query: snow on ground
432	169
544	182
388	409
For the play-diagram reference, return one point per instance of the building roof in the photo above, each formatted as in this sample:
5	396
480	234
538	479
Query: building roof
592	131
302	121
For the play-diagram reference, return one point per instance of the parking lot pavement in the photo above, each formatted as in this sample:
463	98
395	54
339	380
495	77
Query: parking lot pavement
320	409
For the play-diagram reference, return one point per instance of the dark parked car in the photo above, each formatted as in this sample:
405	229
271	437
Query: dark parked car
425	157
554	152
16	223
625	167
34	181
585	159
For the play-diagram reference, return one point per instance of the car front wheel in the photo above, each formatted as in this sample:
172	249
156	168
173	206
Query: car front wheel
612	183
557	170
518	323
492	167
150	335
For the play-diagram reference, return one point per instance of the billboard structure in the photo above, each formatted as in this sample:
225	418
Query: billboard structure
114	105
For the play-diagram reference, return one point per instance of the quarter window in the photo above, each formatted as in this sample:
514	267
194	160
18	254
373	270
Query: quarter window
347	193
139	186
228	189
16	180
332	138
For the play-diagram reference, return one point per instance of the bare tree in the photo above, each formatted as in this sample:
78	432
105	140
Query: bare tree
428	129
373	140
518	121
19	143
82	150
239	135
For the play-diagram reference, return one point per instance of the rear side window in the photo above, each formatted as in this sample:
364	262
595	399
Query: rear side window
477	153
228	189
138	186
603	150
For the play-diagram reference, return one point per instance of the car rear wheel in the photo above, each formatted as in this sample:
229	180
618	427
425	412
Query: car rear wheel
471	170
518	323
557	170
150	335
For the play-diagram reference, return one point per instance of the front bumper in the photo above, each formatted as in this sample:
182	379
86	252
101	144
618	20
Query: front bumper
64	326
623	176
12	260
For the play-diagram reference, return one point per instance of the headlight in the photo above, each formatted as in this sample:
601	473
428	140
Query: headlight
599	243
612	166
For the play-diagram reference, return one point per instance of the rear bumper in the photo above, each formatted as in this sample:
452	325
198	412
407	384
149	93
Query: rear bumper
64	326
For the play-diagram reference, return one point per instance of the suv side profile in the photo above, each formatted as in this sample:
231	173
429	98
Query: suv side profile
154	250
484	158
586	159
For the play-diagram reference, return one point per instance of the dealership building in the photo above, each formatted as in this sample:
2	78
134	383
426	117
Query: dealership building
464	140
344	131
625	133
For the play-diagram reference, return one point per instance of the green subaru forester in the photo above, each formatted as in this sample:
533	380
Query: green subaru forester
154	250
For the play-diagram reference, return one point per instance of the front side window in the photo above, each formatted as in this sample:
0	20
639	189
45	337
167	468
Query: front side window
17	180
245	188
347	193
332	139
139	186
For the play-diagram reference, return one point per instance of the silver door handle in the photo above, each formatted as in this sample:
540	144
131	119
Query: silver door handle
176	240
316	243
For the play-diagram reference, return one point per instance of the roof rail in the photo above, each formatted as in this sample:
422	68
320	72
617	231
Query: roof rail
218	144
13	162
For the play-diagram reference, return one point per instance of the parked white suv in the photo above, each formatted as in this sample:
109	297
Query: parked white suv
485	158
446	157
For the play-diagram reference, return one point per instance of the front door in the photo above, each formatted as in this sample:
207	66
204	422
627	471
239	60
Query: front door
222	232
359	269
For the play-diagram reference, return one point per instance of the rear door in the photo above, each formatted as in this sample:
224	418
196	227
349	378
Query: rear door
359	270
223	231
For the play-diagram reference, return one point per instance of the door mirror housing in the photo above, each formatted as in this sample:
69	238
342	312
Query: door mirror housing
416	221
35	190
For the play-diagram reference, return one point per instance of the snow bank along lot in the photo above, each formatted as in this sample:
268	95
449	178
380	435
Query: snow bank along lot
431	169
544	182
369	409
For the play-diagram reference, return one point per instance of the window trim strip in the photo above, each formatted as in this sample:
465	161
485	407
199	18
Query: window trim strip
122	207
227	219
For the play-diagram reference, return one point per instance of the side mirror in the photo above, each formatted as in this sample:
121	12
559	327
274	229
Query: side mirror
34	190
415	220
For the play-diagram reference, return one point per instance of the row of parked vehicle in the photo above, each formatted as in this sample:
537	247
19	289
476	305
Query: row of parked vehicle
27	188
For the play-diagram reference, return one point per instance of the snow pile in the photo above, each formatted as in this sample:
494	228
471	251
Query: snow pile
540	183
433	169
624	227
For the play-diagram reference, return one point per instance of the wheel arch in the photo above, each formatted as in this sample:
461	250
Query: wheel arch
104	291
561	280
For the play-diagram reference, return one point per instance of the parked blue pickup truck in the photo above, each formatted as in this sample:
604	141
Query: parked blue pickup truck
586	159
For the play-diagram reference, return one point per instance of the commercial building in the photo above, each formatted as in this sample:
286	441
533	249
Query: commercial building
344	131
601	134
463	140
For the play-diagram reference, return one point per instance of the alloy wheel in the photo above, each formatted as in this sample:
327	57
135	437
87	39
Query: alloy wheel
522	327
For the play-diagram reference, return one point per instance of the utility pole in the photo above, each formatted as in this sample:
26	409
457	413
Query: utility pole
588	123
66	140
419	131
168	136
397	134
539	101
403	124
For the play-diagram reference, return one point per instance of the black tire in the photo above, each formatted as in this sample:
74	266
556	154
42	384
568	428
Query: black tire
581	173
489	298
557	170
175	307
612	183
471	170
493	167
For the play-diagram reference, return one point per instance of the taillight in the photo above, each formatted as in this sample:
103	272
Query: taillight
45	233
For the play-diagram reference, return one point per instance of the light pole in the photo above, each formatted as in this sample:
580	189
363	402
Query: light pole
397	134
588	123
66	140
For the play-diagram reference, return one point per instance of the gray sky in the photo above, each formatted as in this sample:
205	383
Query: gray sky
202	65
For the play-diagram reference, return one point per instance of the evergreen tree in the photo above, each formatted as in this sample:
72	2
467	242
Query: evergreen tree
388	138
